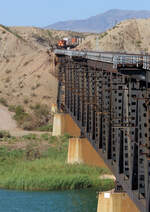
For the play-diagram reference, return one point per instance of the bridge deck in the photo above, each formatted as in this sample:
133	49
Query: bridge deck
109	57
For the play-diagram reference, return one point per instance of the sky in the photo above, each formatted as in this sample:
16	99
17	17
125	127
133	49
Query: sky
42	13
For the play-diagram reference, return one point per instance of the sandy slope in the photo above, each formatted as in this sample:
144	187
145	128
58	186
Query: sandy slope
25	68
128	36
6	121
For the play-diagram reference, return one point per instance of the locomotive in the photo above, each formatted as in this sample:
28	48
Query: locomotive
68	43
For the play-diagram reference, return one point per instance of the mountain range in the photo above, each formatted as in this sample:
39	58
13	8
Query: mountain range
100	22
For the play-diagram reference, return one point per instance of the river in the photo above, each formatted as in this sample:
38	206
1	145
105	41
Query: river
54	201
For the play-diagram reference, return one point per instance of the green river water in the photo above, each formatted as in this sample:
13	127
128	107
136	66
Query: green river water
53	201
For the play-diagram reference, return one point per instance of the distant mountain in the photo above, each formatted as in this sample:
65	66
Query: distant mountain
101	22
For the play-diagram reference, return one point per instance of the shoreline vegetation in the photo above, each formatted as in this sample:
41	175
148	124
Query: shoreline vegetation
38	118
38	163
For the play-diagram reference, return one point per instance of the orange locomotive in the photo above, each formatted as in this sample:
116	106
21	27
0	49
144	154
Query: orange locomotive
67	43
62	44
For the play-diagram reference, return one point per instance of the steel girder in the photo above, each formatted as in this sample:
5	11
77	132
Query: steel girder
112	108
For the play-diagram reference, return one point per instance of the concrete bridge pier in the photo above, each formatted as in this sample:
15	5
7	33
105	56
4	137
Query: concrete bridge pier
80	150
115	202
63	123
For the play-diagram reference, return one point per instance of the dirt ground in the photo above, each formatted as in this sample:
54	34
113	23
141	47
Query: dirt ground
6	120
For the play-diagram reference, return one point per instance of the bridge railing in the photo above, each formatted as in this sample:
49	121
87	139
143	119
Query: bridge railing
127	60
109	57
146	62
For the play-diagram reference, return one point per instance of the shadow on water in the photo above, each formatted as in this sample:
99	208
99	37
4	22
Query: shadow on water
54	201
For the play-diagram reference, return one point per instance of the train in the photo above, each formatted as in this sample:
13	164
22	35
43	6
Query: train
69	43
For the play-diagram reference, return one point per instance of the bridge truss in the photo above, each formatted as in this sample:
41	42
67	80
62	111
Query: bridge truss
111	105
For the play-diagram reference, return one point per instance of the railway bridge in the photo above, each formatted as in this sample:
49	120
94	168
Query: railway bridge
108	96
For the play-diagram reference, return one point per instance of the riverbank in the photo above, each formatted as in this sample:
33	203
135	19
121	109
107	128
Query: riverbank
38	162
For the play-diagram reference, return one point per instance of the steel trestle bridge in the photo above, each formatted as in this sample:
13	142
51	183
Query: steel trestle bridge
108	96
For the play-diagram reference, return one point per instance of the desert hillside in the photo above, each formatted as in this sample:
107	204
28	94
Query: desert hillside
129	36
25	65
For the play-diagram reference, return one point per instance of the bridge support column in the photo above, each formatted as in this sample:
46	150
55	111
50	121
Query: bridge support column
63	123
81	151
115	202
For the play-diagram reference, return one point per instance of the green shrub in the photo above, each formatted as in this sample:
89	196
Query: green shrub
53	139
138	43
3	101
41	110
42	113
4	134
37	120
48	128
30	136
45	136
12	108
23	119
20	115
26	101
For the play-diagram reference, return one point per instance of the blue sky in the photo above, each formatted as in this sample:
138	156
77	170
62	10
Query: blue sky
44	12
